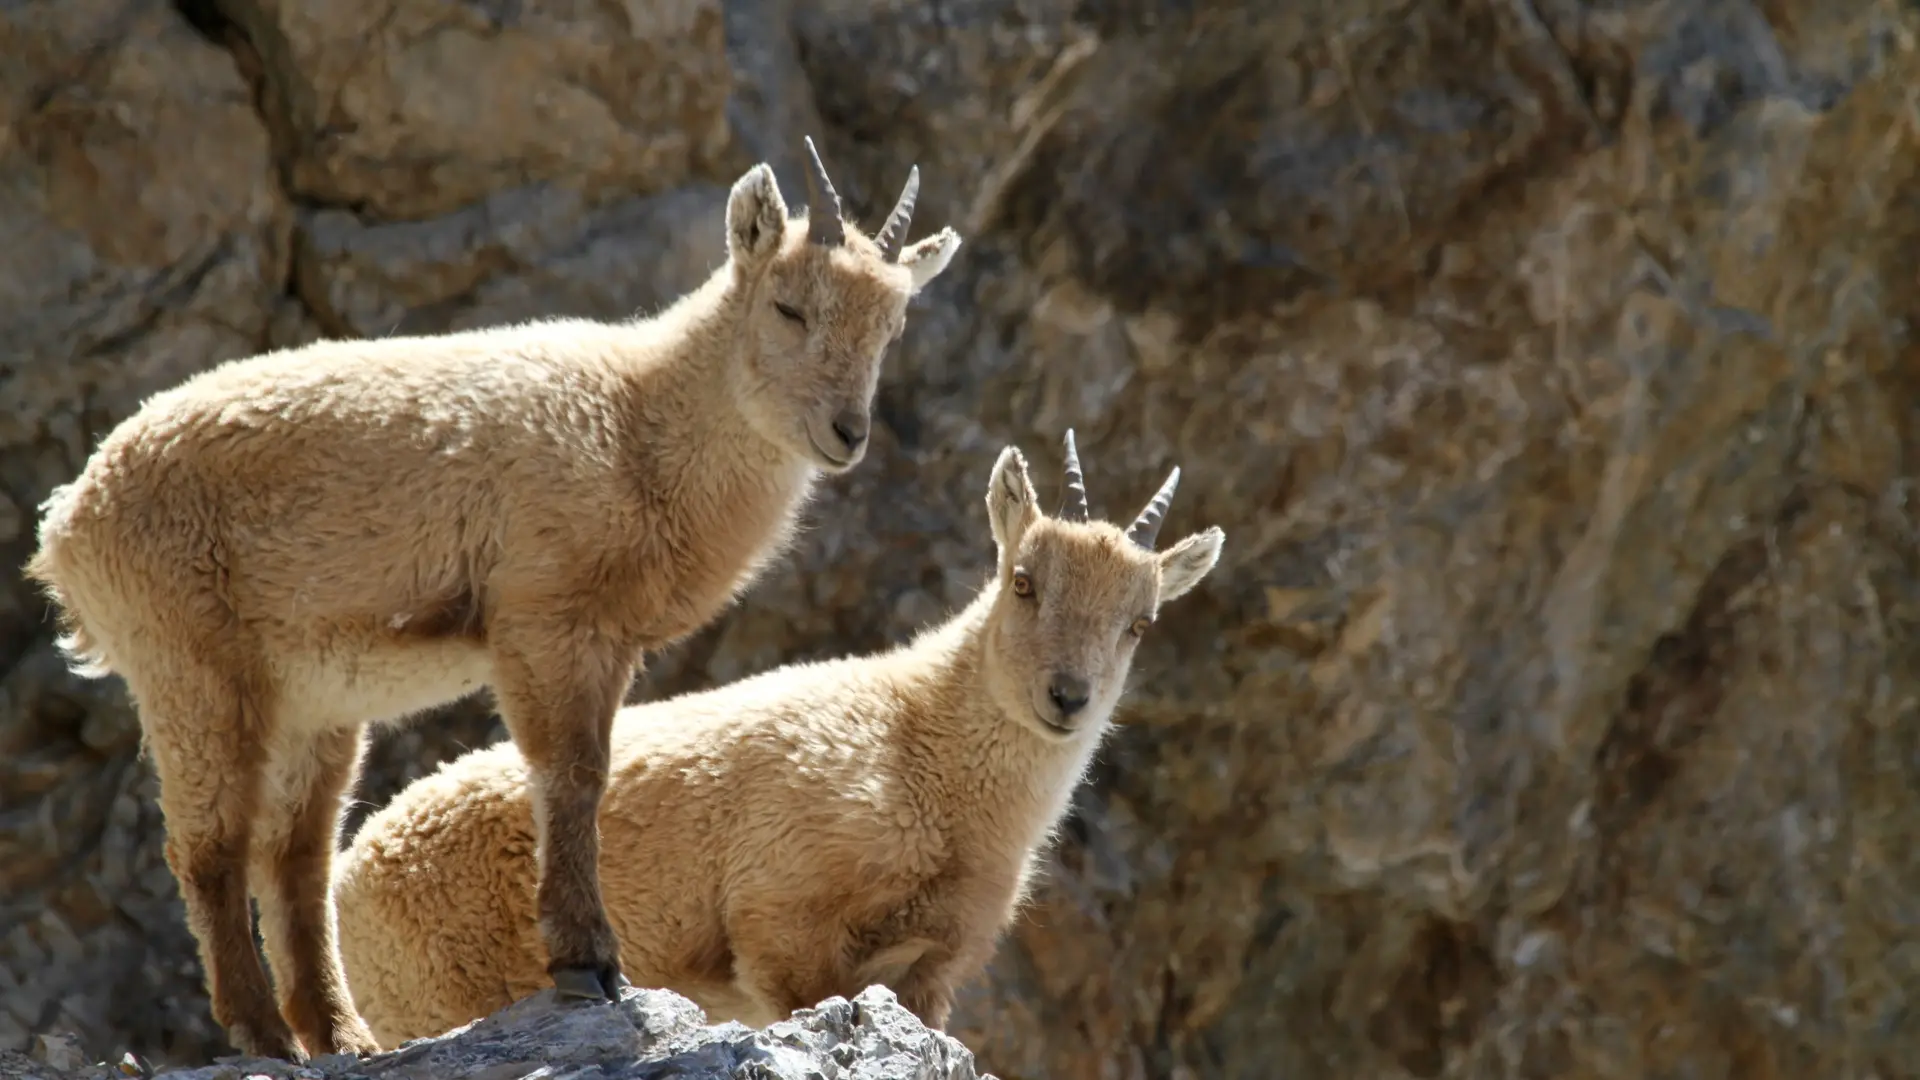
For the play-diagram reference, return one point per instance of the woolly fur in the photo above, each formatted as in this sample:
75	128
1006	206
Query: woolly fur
289	547
802	833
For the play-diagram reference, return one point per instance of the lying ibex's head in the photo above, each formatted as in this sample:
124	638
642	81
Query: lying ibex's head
822	301
1075	597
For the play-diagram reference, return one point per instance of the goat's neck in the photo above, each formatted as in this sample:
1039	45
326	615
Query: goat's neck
690	390
1018	782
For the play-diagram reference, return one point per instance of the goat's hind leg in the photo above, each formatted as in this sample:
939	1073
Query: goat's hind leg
293	848
205	731
558	689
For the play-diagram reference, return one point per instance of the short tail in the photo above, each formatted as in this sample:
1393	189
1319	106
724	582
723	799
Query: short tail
83	654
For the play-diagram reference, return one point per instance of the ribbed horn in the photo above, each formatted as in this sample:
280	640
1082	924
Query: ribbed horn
1075	506
823	203
894	233
1146	528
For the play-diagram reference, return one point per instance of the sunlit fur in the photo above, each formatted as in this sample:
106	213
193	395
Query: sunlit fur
286	548
795	835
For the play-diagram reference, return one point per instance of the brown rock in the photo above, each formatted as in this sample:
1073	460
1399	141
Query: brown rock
1547	366
520	254
416	108
145	239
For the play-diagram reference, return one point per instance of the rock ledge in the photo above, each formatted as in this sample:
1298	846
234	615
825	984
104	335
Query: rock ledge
650	1033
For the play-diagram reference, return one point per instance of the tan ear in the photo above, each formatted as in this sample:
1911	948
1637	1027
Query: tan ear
930	256
1012	505
756	218
1185	563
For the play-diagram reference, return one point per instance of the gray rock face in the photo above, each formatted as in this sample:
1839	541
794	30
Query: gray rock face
647	1035
1549	365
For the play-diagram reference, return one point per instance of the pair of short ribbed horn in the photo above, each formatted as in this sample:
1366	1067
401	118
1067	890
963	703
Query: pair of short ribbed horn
823	210
1145	528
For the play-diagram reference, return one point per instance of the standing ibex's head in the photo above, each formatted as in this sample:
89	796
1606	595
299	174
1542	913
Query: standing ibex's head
1075	596
821	302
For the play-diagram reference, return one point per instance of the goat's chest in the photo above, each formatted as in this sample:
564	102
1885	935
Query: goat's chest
674	584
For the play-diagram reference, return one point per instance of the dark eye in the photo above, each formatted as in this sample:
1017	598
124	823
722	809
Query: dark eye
1139	627
790	312
1022	584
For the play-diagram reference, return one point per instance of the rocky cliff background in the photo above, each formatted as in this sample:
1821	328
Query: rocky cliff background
1548	364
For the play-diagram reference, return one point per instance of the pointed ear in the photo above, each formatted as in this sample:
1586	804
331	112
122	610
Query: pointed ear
927	258
1012	505
1185	563
756	218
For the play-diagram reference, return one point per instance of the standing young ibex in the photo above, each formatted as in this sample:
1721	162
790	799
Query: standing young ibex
802	833
286	548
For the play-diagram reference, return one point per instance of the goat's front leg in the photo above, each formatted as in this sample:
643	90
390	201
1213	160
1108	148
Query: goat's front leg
926	993
558	687
918	971
787	952
928	946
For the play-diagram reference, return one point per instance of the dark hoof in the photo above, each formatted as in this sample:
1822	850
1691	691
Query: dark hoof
270	1042
601	983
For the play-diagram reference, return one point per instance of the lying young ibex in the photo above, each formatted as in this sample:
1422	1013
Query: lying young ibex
802	833
286	548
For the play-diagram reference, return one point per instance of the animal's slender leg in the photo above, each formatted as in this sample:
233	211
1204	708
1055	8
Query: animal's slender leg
293	848
558	689
204	731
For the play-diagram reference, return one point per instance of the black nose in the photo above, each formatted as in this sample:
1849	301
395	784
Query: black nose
1069	693
851	426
